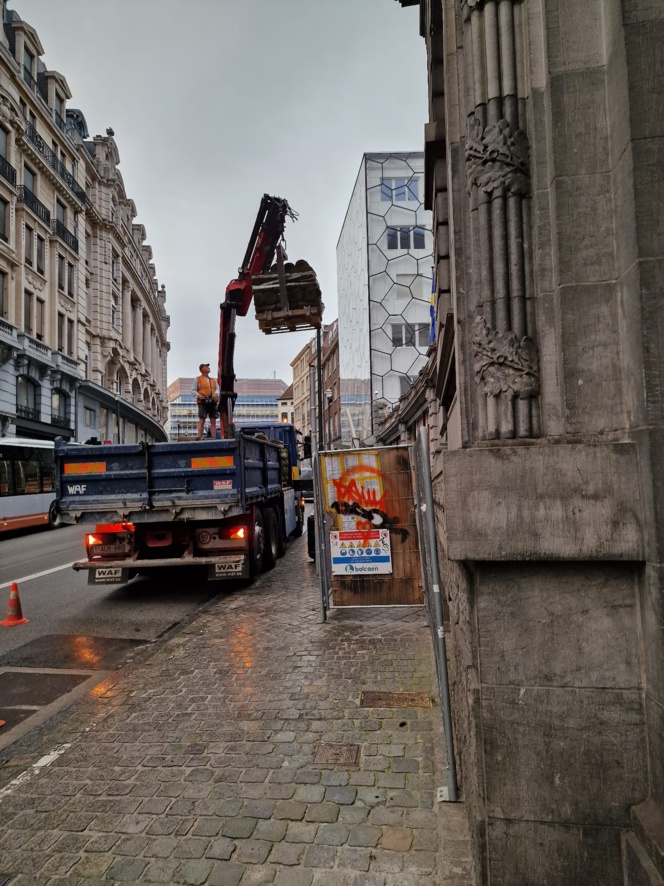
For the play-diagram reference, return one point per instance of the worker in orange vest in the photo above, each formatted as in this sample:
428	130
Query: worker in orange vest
207	398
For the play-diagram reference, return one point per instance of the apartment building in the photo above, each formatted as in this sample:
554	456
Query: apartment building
66	230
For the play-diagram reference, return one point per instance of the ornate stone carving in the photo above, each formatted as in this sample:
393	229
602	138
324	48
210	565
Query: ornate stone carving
66	304
503	363
497	157
6	353
35	283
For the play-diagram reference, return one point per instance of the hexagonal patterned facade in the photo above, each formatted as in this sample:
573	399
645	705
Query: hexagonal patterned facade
384	267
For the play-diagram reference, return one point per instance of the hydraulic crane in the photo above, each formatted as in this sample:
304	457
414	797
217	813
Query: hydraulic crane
289	295
266	237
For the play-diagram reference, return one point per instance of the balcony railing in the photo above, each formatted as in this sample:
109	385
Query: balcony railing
29	79
27	412
7	171
59	122
54	162
26	197
65	235
60	420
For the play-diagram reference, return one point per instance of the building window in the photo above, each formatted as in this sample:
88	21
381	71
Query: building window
4	226
70	279
70	337
27	398
40	254
27	312
29	180
86	361
29	244
28	59
61	332
114	268
404	238
61	272
114	312
89	417
423	335
59	112
3	294
39	324
118	382
399	190
59	407
3	142
59	210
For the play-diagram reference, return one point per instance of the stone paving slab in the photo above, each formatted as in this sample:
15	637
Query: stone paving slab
195	766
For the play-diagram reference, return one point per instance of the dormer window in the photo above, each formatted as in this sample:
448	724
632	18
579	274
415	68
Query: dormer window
28	62
59	112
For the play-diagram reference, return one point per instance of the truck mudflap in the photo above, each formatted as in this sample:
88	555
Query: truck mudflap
113	572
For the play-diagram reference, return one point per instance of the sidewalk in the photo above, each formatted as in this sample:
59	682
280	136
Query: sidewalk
196	765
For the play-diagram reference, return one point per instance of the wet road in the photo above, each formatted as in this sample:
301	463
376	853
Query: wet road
61	604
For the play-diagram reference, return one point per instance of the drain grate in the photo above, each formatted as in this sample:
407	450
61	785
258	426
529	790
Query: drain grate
337	755
395	700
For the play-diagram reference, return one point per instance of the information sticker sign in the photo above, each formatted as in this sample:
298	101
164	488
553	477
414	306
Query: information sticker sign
361	552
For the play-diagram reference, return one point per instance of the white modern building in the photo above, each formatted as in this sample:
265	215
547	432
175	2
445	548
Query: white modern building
384	268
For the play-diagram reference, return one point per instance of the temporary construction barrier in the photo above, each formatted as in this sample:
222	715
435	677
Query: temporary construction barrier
372	548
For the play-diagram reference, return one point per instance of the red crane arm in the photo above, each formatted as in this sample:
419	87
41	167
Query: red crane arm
267	233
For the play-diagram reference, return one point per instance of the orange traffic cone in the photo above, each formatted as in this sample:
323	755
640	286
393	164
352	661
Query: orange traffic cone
14	612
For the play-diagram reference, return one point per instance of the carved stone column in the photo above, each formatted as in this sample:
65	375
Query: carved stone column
138	331
126	316
147	344
498	178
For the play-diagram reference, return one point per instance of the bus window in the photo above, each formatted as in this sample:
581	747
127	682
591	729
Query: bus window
26	475
48	474
6	479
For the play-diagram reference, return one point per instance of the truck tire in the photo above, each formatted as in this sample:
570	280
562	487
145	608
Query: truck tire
281	534
53	516
271	549
299	523
257	543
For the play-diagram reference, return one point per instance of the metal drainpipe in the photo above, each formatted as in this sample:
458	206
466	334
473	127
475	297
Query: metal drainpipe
452	787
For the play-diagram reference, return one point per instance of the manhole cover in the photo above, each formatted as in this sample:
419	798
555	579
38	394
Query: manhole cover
21	688
337	755
395	700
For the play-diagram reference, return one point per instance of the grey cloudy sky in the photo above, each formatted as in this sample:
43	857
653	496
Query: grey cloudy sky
215	102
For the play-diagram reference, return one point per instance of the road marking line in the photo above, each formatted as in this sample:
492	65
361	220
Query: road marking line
34	769
37	575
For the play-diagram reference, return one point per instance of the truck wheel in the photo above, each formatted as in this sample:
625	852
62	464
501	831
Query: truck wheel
299	523
257	545
281	535
271	549
53	516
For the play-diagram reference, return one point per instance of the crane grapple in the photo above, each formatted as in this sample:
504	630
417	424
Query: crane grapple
288	300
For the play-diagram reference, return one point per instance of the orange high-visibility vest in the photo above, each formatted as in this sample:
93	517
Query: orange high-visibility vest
206	387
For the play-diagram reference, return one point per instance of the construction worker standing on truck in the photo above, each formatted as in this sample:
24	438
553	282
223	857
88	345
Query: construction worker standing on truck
207	398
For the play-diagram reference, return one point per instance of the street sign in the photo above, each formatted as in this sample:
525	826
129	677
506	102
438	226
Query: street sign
361	552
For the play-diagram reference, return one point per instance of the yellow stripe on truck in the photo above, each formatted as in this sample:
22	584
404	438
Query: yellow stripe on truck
296	473
86	467
219	461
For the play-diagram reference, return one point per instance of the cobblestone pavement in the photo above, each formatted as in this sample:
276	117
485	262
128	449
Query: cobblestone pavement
195	765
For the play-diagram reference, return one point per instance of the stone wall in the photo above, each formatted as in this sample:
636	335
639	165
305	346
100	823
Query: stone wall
545	171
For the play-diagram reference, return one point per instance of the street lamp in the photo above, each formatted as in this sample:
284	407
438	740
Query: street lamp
328	396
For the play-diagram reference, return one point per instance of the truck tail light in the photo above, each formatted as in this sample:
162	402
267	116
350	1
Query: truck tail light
92	540
238	532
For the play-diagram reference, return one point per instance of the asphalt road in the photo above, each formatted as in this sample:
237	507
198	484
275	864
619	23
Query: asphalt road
65	612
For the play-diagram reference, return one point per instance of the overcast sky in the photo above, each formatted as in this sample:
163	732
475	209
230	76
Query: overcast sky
215	102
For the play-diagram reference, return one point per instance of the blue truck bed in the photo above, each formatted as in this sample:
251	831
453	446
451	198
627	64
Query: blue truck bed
197	480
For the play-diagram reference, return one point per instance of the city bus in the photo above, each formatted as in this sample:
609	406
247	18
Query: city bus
27	484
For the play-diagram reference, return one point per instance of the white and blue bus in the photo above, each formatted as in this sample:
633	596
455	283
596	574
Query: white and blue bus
27	484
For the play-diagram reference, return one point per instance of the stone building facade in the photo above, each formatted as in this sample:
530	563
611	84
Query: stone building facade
544	154
69	252
331	388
